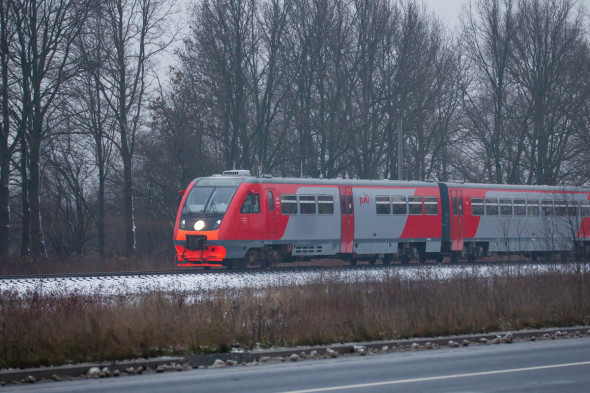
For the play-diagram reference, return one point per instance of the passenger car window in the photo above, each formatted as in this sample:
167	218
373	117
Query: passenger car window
288	204
505	207
398	204
477	206
307	204
415	205
547	207
519	207
251	204
430	205
572	208
560	208
491	206
532	207
382	205
325	204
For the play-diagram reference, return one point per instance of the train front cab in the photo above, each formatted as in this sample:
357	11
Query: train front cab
202	221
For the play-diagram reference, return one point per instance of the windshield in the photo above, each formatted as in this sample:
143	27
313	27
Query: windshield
208	200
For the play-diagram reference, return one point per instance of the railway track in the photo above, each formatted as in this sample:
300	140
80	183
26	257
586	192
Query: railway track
285	268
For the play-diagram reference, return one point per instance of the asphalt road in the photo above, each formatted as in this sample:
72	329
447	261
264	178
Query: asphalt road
544	366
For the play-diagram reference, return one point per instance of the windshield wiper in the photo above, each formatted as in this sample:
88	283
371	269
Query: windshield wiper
187	210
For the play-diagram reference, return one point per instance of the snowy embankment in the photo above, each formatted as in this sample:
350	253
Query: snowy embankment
121	285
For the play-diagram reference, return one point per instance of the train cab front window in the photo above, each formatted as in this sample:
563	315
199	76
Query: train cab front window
204	200
205	206
251	204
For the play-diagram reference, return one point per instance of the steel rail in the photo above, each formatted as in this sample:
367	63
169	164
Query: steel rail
286	269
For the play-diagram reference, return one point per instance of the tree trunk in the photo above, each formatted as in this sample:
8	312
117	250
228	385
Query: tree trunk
5	153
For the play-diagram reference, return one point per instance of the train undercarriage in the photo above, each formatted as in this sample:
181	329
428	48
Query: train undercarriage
272	255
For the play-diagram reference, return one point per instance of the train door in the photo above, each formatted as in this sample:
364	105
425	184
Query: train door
271	216
457	220
347	215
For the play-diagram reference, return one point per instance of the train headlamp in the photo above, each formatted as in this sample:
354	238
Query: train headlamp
199	225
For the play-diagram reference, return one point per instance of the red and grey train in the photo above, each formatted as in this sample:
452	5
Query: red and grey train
235	219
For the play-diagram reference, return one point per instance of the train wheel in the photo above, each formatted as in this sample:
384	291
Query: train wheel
454	257
372	261
404	259
353	261
386	259
439	258
422	257
563	256
471	258
253	258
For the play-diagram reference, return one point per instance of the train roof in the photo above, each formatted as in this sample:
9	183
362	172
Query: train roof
518	187
267	179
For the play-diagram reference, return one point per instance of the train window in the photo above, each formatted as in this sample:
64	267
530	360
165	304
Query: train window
271	203
325	204
505	207
343	204
307	204
415	205
457	206
430	205
289	204
560	208
532	207
382	205
398	205
572	208
547	207
251	204
477	206
585	208
519	207
491	206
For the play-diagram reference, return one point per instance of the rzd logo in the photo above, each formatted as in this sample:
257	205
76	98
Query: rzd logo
364	199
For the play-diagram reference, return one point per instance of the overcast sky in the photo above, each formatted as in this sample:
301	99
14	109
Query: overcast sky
448	10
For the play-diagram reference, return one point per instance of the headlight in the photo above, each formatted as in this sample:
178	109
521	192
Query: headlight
199	225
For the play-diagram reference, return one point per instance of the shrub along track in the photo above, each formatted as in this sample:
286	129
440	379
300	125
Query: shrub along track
45	321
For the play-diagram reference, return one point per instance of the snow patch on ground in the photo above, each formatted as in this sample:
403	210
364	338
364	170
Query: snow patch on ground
125	285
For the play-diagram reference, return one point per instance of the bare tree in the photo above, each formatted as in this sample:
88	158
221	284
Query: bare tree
488	34
7	33
68	189
90	114
135	35
371	29
546	45
46	30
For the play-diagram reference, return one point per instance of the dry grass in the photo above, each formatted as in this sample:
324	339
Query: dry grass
38	329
